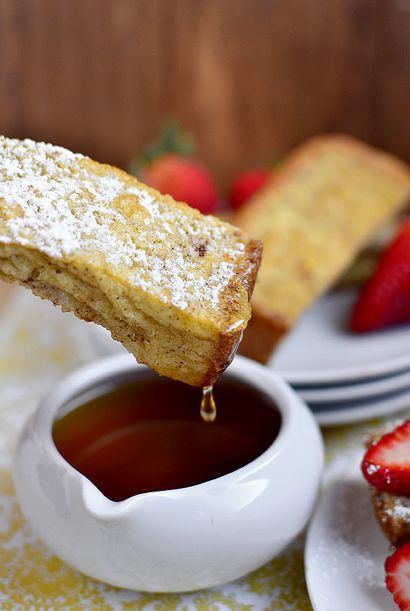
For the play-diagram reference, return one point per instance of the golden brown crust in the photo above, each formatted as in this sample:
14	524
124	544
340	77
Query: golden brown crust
251	263
229	343
316	213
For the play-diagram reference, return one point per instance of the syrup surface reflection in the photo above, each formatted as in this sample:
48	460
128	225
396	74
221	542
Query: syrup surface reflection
148	435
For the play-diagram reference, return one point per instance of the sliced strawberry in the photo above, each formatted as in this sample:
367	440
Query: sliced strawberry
386	464
385	299
397	567
246	185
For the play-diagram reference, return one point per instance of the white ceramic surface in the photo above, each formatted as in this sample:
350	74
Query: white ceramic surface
320	350
358	411
345	549
177	540
353	392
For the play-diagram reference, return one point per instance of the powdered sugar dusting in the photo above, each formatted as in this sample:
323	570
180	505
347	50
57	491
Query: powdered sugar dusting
400	509
60	204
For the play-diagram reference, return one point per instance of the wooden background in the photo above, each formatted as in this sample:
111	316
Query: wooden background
250	78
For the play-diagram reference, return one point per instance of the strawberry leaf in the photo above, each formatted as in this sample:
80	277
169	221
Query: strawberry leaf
171	140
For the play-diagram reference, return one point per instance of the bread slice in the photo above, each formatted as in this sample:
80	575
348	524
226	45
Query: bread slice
169	283
320	208
393	514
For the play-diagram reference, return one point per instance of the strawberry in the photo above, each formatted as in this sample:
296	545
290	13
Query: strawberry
385	299
397	567
246	185
184	179
386	464
165	166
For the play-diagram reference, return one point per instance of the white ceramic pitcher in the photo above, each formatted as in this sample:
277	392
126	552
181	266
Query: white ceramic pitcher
175	540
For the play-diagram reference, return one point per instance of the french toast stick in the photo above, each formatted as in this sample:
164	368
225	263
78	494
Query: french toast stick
169	283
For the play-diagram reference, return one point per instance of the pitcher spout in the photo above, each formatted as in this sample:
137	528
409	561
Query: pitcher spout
95	503
103	508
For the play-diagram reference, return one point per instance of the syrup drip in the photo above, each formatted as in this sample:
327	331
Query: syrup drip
208	407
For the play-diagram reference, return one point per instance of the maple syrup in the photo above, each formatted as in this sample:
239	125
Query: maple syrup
208	406
146	434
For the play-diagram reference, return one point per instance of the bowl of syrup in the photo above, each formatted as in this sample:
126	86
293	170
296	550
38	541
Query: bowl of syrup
123	475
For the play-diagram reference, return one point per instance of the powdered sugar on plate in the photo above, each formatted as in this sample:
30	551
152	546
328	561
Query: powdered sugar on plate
345	548
62	204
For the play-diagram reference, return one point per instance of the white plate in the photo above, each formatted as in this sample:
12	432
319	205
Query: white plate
320	350
352	392
357	411
345	550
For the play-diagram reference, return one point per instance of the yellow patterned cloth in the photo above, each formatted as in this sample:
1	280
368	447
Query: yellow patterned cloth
38	345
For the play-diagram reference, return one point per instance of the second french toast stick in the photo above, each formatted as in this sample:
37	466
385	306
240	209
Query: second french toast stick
319	209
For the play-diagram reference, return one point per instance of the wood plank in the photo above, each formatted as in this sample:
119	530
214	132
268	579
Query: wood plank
250	78
391	93
255	78
90	74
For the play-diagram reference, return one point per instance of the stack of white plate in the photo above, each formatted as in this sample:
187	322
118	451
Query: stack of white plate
345	377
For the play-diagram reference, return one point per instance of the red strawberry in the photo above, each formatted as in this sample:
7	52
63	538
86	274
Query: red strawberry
385	299
397	567
246	185
164	165
386	464
186	180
